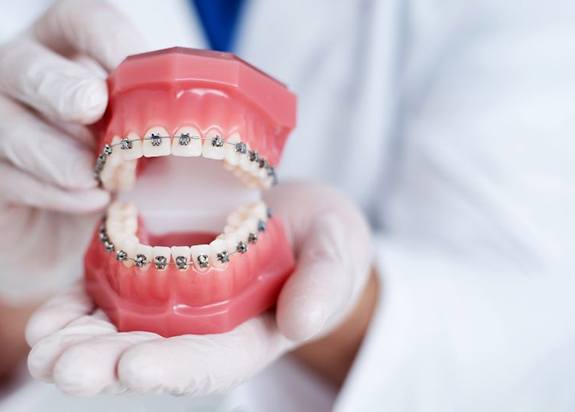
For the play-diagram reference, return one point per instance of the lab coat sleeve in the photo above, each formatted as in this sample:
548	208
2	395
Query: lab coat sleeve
477	250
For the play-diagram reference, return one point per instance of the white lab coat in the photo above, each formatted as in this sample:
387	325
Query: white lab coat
451	123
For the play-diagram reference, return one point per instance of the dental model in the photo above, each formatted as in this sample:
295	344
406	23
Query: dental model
201	252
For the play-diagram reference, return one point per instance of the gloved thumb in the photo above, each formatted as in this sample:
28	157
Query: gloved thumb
318	291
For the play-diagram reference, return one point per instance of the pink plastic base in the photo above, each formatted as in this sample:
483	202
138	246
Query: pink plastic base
180	319
156	301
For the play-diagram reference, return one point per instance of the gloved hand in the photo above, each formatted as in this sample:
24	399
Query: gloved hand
83	354
52	85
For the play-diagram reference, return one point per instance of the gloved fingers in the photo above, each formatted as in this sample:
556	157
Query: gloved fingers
333	250
46	352
18	187
57	313
90	27
54	86
88	368
199	365
43	151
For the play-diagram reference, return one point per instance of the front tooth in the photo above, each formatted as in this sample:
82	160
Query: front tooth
131	147
200	257
181	256
156	142
233	148
143	256
219	256
161	257
213	147
187	142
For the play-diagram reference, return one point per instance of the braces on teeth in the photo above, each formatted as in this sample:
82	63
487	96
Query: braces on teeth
184	139
182	262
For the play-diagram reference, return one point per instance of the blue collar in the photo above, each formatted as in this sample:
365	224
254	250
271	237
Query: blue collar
220	21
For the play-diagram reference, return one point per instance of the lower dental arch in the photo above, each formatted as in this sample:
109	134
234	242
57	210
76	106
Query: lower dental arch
202	262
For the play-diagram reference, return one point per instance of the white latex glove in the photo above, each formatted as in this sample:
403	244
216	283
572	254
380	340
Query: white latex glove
46	152
83	354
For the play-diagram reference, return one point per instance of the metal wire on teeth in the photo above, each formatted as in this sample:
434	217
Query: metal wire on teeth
183	139
181	262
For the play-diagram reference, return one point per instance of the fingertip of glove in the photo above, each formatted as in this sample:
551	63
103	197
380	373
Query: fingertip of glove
301	320
88	201
74	378
136	371
89	101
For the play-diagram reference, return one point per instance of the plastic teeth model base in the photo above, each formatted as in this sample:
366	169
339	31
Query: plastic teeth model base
189	140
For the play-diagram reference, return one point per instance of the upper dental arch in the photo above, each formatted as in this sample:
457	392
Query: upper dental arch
184	139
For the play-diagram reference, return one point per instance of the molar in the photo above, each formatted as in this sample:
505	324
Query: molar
126	175
259	210
213	147
187	142
131	147
156	142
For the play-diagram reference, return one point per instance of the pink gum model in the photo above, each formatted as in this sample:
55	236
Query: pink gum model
197	270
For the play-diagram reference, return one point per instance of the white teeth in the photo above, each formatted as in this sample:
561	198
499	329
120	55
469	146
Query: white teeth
232	156
219	256
236	217
131	147
113	162
119	210
128	244
121	221
143	256
181	256
244	161
259	210
161	257
115	231
213	147
126	175
232	239
200	256
156	142
187	142
242	231
116	165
